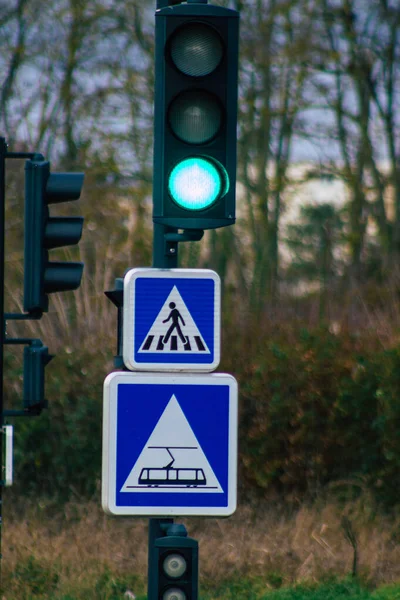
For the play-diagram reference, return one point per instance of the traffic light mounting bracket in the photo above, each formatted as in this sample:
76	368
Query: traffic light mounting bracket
171	239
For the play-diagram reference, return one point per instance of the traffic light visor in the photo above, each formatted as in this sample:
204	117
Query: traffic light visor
197	182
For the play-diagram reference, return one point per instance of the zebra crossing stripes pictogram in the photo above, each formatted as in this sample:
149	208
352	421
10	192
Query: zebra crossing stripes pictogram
174	329
152	344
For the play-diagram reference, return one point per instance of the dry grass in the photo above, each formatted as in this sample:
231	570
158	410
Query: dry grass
307	544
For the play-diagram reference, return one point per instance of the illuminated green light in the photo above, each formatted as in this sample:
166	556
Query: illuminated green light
196	183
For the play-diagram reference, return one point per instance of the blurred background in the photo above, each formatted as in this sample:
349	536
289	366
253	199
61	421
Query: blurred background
310	272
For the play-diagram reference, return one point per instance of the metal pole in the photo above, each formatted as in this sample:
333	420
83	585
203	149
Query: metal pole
165	253
163	258
3	151
155	531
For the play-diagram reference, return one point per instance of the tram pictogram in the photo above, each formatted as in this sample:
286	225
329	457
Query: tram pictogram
172	476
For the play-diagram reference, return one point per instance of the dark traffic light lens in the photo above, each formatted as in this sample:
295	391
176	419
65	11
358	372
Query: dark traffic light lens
196	49
195	117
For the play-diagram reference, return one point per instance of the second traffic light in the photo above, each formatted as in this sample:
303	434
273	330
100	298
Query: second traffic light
42	233
36	357
195	116
173	568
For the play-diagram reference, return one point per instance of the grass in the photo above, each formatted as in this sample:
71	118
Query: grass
261	552
258	590
37	586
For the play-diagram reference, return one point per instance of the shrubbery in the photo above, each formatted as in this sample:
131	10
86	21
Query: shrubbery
318	408
315	408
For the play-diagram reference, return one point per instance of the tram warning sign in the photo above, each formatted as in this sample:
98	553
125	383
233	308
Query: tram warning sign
169	444
172	320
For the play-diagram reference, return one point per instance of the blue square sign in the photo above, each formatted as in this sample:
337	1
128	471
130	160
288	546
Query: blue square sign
172	320
169	444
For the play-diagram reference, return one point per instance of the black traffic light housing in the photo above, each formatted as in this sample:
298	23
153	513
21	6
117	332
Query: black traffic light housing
195	117
42	233
174	566
36	357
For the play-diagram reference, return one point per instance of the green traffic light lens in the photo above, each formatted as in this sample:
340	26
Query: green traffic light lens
196	183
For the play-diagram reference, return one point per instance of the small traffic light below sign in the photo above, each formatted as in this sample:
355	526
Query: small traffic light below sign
43	232
173	566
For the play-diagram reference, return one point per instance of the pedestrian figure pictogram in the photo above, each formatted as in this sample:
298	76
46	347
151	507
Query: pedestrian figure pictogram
175	315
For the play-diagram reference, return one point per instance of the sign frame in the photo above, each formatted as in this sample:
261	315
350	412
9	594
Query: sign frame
135	312
111	459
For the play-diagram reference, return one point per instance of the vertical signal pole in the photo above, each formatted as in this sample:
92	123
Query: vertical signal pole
195	115
165	256
3	151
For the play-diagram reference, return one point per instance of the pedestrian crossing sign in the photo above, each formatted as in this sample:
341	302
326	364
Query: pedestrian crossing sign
171	320
169	444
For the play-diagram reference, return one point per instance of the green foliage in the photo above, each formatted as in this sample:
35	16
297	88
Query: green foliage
236	588
254	589
314	410
59	452
110	587
37	582
329	591
388	592
35	578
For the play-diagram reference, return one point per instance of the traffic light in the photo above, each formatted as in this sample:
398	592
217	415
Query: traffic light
195	115
36	357
42	233
173	570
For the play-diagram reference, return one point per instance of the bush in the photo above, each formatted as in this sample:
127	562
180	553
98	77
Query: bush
315	408
59	452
